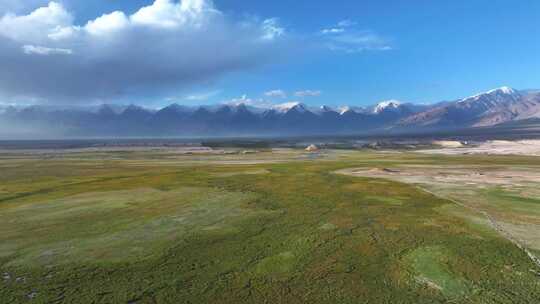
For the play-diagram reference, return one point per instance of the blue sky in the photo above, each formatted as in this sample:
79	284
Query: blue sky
343	52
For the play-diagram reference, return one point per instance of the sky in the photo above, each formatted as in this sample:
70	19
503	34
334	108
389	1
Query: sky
192	52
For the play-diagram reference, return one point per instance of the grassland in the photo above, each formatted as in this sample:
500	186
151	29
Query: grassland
282	227
505	196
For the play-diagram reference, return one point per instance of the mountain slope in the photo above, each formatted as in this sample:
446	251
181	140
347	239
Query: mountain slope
486	109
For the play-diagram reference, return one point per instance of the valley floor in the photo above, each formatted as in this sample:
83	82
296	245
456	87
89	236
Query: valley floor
269	226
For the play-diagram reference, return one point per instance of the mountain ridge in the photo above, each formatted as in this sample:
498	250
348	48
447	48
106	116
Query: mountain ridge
497	106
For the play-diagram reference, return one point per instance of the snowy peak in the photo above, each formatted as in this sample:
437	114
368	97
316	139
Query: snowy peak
288	106
326	109
233	109
503	90
490	108
498	92
241	107
322	110
387	105
350	109
344	110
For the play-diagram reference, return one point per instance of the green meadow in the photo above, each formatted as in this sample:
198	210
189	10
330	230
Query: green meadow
142	227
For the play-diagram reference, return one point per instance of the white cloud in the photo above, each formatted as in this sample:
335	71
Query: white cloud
35	26
332	31
169	14
40	50
276	93
202	96
165	45
244	100
307	93
272	29
340	27
107	24
345	37
358	41
346	23
62	33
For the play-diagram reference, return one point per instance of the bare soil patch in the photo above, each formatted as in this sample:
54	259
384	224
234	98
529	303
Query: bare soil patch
495	147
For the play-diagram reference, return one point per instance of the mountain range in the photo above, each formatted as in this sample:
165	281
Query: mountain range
499	106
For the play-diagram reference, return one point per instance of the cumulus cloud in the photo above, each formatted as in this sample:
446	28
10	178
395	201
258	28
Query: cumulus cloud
168	14
107	24
276	93
307	93
168	44
36	26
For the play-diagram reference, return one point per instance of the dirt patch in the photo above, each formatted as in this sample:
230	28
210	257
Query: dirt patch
448	143
460	175
495	147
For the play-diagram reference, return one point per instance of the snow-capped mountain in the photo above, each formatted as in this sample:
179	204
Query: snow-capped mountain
348	109
485	109
323	109
493	107
285	107
499	93
388	105
326	109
